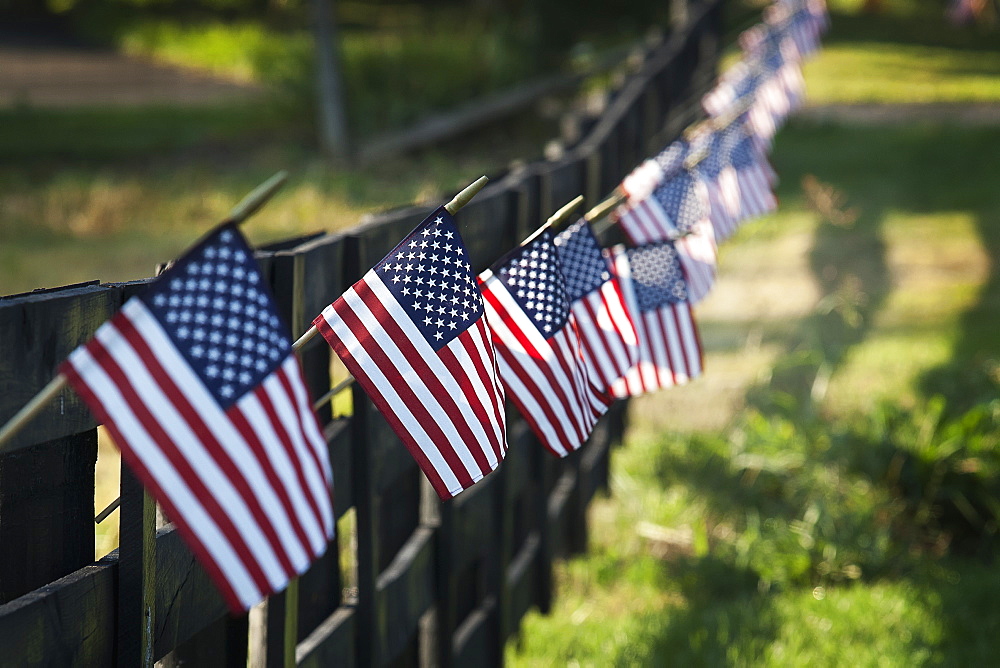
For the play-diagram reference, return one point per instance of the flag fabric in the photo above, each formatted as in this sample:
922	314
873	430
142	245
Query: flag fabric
669	347
539	346
412	332
609	341
698	254
754	175
668	212
196	381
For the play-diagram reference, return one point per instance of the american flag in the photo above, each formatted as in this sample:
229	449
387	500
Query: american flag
655	217
412	333
669	348
754	175
539	346
609	341
196	381
721	185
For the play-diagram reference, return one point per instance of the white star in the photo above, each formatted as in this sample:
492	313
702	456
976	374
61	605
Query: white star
438	336
449	234
212	371
226	390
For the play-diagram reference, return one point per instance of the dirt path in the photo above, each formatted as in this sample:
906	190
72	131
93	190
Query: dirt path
55	76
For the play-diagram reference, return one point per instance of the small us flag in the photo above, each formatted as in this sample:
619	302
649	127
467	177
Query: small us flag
196	381
412	333
537	340
610	347
671	210
655	290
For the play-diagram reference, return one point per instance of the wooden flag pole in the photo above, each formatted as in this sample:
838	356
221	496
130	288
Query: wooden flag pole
599	212
452	207
246	207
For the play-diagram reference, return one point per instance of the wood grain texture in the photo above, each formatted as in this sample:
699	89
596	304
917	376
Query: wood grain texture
39	330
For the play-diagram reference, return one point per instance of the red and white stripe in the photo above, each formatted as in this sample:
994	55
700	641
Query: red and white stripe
642	181
669	347
446	406
698	254
610	345
546	378
248	487
756	196
645	221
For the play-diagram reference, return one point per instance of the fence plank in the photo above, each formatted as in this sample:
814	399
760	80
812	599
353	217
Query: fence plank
70	622
136	573
331	643
404	592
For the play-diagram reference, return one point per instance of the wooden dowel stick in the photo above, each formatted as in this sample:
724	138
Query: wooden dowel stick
257	198
462	198
32	408
605	207
452	207
245	208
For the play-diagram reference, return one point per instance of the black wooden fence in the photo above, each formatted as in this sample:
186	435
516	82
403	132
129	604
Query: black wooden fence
422	582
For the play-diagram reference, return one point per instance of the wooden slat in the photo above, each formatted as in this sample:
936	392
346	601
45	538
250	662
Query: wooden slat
381	233
39	330
332	643
474	523
404	592
338	438
70	622
187	599
136	574
520	582
488	225
476	642
46	512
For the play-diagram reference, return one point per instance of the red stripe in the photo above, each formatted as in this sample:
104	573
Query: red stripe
595	347
542	395
486	336
489	382
179	462
376	397
302	405
149	482
567	355
285	442
445	401
458	370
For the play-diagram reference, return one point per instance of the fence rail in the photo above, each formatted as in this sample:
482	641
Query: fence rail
417	581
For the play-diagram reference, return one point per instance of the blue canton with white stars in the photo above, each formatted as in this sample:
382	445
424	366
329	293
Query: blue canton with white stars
671	159
219	314
743	154
531	274
430	276
716	157
657	275
580	260
680	200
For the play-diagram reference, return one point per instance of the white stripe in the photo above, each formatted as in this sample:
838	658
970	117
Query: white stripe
266	431
312	471
453	387
317	441
415	382
170	481
482	345
533	366
397	405
689	339
668	316
190	446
